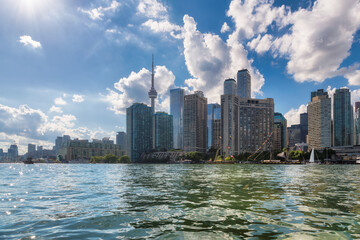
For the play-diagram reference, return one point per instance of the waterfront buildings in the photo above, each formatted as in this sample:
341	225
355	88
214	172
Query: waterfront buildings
31	150
304	127
230	87
216	133
13	152
163	131
230	124
294	135
177	111
244	83
343	118
83	149
195	122
357	123
121	140
319	120
256	123
280	131
139	125
213	113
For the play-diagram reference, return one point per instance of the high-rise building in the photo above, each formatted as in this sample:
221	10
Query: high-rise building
304	127
256	123
13	152
319	92
293	135
195	120
319	119
31	150
230	124
163	131
280	131
121	140
152	92
213	112
216	133
230	87
357	127
139	125
343	118
357	106
177	111
244	83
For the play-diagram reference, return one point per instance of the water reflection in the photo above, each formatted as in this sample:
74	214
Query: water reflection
179	201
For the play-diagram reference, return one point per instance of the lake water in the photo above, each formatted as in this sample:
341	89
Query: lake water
56	201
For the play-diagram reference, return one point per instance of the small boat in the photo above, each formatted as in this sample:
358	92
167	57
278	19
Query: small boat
28	161
312	158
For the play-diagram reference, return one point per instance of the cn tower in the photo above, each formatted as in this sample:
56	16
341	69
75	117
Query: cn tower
152	92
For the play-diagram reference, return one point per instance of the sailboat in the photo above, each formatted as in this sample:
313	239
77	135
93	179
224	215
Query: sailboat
312	157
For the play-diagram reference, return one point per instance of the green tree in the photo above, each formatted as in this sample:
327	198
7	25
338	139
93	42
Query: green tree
125	159
194	156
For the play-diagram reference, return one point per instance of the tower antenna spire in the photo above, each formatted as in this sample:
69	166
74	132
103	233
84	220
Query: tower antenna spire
152	92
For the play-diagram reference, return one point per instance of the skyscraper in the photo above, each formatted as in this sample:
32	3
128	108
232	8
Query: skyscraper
280	131
244	83
163	131
139	125
293	135
177	111
213	113
230	124
319	92
195	120
304	127
357	127
31	150
319	120
343	118
256	123
230	87
121	140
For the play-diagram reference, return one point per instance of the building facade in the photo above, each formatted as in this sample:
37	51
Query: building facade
177	111
121	140
280	132
139	126
244	83
343	118
319	119
216	133
163	131
230	87
213	113
304	127
195	122
293	135
83	149
230	124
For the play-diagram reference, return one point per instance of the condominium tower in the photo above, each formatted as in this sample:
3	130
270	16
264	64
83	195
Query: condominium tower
244	83
343	118
163	131
195	122
177	111
213	113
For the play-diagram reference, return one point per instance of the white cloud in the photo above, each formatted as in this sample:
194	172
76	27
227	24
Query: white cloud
28	41
55	109
152	9
320	40
26	125
255	16
98	13
293	115
210	60
77	98
261	44
163	26
225	28
59	101
353	77
135	87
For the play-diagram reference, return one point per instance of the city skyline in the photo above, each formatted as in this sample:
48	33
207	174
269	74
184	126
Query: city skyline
71	68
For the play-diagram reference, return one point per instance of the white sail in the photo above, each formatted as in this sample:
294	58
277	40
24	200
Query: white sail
312	159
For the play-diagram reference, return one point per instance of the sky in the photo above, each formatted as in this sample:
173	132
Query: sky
73	67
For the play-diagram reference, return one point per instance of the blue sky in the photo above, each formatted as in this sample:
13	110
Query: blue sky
72	67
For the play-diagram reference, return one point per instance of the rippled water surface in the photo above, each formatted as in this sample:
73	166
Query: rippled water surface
54	201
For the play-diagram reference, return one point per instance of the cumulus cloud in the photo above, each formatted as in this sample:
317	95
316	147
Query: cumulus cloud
55	109
163	26
210	60
98	13
152	9
353	77
28	41
261	44
135	87
26	125
77	98
225	28
59	101
293	115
